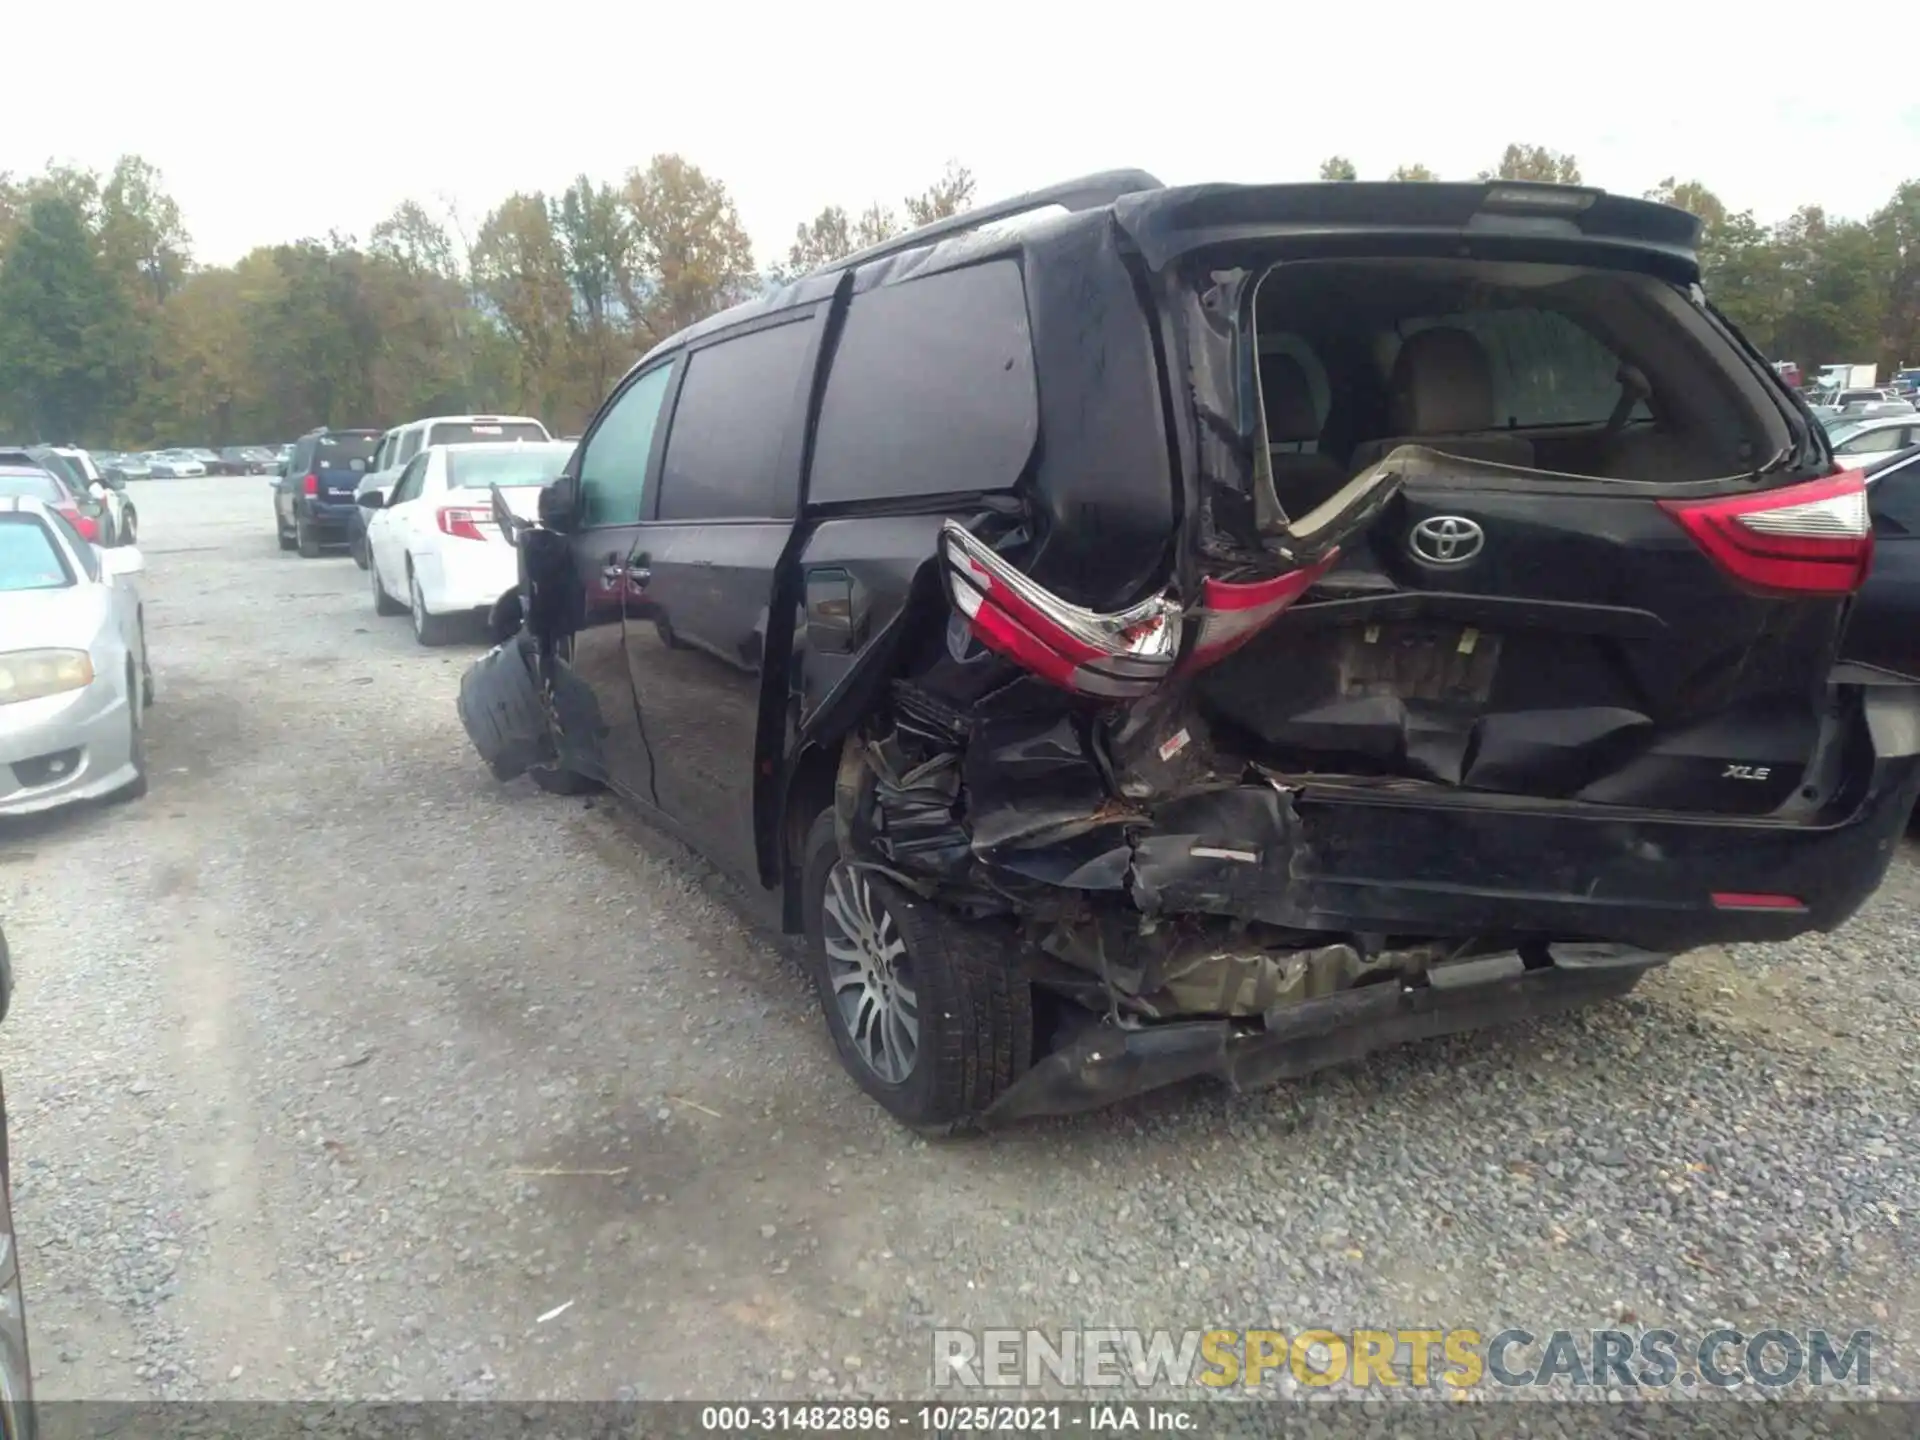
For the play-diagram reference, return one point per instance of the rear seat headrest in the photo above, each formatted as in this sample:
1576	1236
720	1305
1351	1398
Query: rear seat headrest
1442	385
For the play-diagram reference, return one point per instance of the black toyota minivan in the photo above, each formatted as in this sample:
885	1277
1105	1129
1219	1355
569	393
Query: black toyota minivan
1140	632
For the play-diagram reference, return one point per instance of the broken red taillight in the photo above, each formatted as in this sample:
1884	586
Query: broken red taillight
1811	539
1231	615
1119	656
1748	900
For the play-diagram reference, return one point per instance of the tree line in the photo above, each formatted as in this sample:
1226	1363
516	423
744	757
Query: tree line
111	334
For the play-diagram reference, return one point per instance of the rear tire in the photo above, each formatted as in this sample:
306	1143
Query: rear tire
429	629
930	1014
556	780
383	603
306	540
137	739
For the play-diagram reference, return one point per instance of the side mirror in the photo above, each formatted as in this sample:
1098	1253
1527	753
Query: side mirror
560	502
370	500
122	560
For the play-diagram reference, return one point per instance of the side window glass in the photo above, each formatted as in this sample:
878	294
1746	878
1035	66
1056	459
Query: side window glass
932	389
408	486
409	447
730	426
1875	442
613	459
1895	501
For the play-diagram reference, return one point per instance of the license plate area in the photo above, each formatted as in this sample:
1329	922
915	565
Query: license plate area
1418	660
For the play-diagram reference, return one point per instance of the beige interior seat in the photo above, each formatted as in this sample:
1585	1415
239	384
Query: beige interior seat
1441	396
1301	479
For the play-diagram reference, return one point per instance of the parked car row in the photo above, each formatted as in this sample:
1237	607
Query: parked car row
96	505
74	674
412	506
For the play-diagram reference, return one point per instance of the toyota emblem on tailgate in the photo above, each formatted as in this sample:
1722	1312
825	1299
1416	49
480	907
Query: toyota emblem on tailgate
1446	540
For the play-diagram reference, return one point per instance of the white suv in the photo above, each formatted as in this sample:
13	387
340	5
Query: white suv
403	442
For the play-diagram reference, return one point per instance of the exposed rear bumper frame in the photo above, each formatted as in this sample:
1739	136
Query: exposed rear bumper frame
1108	1063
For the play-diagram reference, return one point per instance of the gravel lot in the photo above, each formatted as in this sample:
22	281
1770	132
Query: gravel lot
336	1066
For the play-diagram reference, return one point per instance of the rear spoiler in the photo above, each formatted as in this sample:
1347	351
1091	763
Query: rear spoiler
1170	222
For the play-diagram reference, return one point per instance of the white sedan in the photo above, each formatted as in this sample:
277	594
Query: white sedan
433	540
74	679
1878	435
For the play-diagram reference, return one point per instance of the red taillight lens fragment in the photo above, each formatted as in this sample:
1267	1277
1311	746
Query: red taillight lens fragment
1745	900
1114	656
310	485
83	523
1811	539
1231	615
463	523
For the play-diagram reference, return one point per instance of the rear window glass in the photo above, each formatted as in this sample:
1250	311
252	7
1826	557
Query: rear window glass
477	469
466	432
344	452
1546	369
29	560
32	485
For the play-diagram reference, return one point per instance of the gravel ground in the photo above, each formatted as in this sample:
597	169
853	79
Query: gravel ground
337	1068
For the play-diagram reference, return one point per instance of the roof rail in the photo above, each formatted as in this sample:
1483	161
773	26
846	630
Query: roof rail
1088	192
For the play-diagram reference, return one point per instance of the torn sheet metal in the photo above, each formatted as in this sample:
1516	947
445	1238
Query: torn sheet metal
1218	851
1033	784
1213	967
1162	747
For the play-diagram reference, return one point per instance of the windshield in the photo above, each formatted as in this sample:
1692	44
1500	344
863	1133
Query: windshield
464	432
33	485
29	560
344	452
522	465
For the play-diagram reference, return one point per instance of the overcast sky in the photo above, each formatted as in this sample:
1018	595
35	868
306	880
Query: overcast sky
271	121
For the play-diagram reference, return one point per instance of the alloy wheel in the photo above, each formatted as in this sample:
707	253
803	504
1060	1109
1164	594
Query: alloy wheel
871	975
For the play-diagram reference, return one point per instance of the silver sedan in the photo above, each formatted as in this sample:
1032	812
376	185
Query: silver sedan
74	678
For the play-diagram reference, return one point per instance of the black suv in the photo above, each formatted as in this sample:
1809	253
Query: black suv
1219	630
313	495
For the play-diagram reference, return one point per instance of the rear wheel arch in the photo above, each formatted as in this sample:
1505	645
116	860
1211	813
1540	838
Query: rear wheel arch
809	791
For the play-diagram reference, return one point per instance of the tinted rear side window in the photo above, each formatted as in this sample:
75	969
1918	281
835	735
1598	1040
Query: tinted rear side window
1894	499
932	389
729	428
464	432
